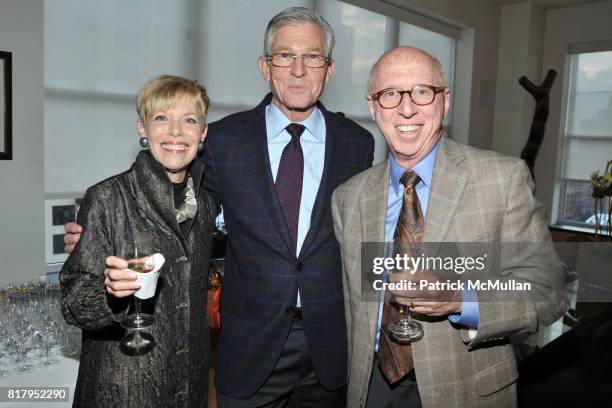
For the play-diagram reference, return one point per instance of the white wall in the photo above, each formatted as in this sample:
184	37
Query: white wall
520	53
563	27
475	82
21	179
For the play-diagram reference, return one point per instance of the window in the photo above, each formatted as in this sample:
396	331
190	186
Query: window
98	54
362	36
588	133
440	46
360	40
231	35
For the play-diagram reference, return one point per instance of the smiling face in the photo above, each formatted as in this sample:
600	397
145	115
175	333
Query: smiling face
411	131
296	89
174	133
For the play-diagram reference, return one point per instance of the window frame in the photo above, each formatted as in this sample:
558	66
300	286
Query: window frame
567	134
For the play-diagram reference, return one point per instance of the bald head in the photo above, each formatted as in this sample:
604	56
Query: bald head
406	56
410	129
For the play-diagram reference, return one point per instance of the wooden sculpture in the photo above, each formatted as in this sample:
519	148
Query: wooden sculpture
541	95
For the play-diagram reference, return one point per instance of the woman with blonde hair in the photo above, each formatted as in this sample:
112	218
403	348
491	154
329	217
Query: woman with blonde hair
160	195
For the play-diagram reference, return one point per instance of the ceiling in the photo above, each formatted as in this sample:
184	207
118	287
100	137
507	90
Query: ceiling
550	3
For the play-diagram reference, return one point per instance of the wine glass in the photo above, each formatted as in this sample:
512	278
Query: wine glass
137	343
24	365
135	250
46	346
406	329
3	366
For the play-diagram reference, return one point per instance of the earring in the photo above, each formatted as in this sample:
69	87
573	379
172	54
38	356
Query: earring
144	142
200	146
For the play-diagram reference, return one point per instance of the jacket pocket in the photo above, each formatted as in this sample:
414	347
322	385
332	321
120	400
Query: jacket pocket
496	377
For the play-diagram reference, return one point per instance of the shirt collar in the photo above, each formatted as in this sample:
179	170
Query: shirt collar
424	169
276	122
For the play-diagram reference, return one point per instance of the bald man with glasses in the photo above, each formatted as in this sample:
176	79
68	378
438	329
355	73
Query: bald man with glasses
435	191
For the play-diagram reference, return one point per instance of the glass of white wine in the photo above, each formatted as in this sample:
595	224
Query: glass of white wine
406	329
136	249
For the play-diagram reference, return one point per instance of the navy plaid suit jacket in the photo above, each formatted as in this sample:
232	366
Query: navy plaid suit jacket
262	272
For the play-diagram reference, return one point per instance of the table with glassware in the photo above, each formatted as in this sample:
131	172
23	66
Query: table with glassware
38	350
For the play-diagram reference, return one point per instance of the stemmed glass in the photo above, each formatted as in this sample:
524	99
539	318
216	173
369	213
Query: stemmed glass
406	329
135	250
30	322
24	365
46	344
3	371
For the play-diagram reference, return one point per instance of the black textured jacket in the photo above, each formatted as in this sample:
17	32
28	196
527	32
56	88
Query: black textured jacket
174	374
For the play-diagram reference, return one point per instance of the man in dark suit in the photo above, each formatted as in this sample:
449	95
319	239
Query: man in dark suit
273	169
283	335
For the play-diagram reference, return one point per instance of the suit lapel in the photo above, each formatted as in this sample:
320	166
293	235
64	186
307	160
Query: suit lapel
258	164
447	185
374	204
373	207
333	144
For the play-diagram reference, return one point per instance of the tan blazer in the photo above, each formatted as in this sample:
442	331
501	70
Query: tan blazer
476	196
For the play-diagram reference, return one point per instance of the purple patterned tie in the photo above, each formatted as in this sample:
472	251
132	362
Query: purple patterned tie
289	179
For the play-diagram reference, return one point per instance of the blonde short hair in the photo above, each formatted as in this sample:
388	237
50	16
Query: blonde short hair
163	91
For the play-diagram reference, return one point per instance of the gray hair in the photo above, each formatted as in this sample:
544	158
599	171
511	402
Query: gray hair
299	15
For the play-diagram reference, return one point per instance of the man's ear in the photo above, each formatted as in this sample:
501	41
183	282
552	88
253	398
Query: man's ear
330	70
446	101
371	107
264	68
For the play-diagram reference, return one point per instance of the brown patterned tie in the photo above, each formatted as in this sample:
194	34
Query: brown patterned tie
395	359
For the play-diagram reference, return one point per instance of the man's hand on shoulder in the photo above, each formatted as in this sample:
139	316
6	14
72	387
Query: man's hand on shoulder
73	234
118	280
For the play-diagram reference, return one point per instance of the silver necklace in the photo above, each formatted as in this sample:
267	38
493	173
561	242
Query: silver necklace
189	207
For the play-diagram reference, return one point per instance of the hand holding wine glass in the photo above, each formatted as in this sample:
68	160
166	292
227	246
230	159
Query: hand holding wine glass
427	301
119	280
406	329
136	250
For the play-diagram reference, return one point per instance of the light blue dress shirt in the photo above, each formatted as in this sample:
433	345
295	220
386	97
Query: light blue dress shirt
313	146
469	315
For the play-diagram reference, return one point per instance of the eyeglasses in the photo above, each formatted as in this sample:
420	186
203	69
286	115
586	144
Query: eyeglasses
420	95
285	59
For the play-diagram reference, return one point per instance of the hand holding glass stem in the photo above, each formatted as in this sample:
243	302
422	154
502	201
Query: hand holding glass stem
405	330
135	250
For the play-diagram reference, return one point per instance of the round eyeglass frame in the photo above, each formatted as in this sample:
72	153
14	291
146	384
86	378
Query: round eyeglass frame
436	90
270	59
